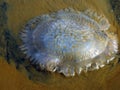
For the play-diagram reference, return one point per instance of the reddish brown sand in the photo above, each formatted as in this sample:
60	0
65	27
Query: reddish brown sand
104	79
11	79
19	12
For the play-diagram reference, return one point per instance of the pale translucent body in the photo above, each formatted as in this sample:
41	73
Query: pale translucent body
69	41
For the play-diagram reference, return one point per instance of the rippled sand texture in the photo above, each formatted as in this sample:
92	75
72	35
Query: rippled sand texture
19	12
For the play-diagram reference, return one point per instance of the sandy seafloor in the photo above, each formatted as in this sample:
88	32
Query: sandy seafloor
13	78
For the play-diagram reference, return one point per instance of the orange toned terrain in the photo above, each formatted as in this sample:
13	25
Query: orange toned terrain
104	79
19	12
11	79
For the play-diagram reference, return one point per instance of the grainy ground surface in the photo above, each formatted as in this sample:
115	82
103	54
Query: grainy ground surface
16	73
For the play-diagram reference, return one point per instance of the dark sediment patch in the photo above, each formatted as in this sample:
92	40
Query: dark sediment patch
9	49
3	22
8	43
115	4
116	8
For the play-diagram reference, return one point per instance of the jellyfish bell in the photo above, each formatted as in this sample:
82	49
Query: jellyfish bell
69	41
